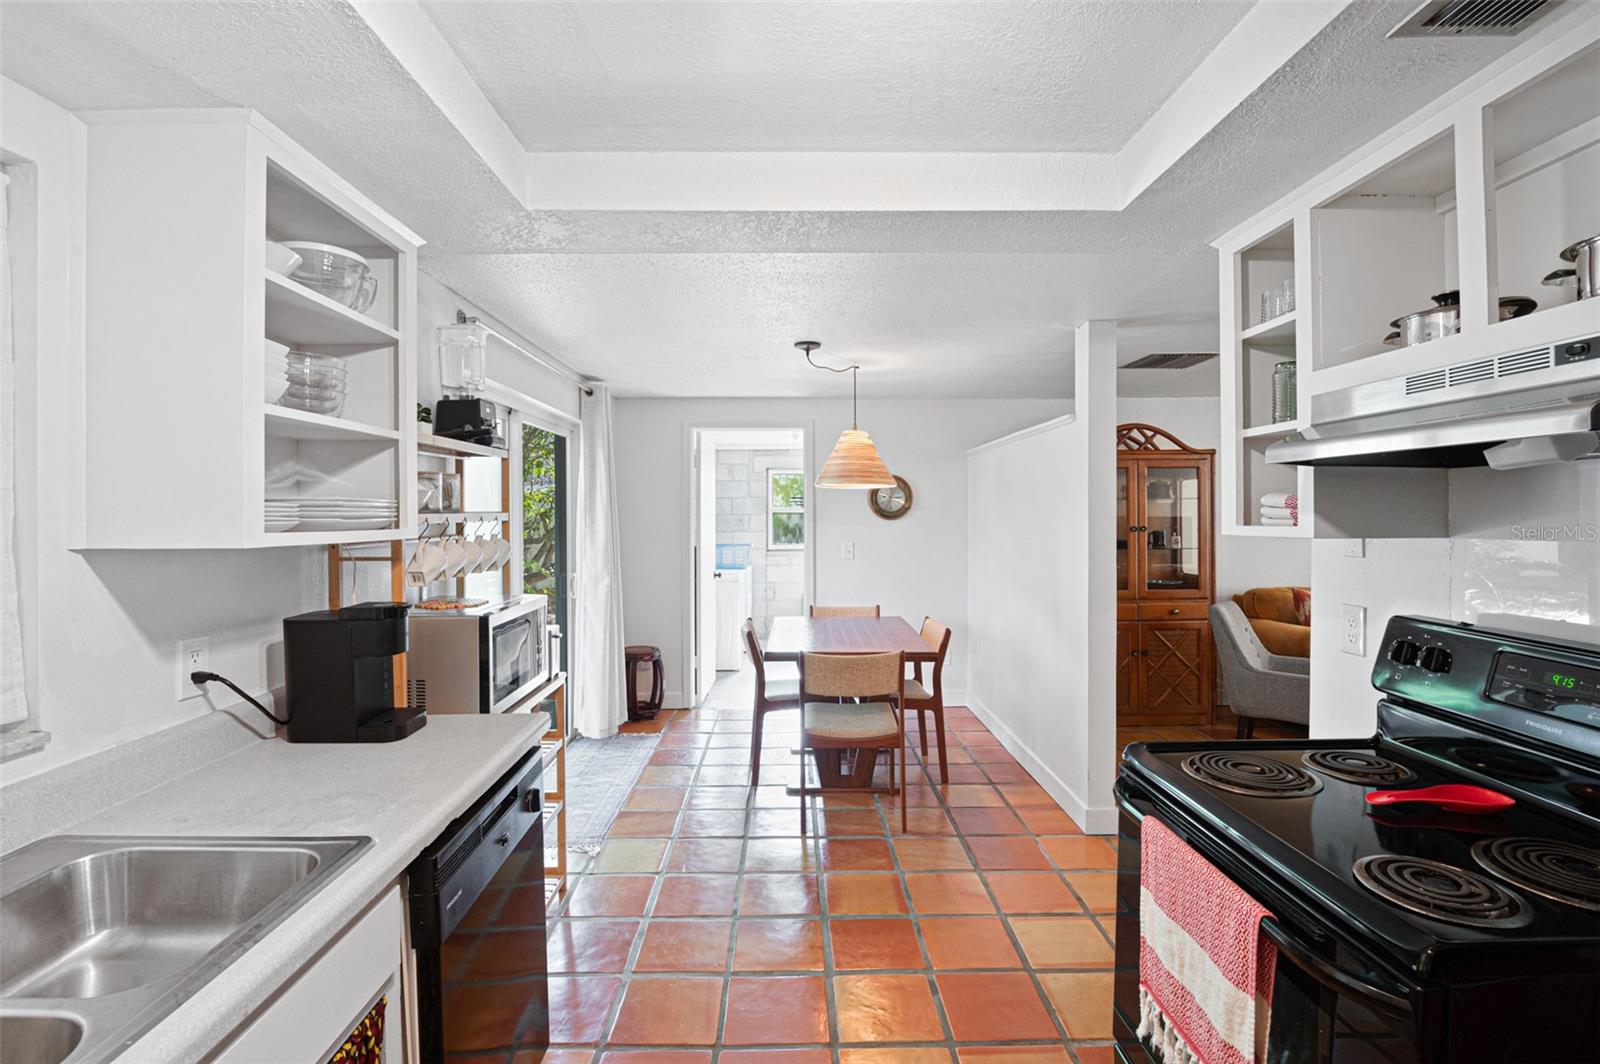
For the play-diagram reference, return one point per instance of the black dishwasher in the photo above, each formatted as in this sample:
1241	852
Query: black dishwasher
478	926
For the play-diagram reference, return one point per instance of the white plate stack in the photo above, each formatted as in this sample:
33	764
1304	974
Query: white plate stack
330	513
282	514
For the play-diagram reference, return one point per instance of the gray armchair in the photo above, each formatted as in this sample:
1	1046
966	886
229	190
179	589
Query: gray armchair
1257	683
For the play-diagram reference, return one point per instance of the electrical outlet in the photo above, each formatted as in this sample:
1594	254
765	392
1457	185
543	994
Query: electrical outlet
848	551
1353	629
194	655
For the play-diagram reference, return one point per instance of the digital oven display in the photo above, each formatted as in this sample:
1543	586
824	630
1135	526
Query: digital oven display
1539	684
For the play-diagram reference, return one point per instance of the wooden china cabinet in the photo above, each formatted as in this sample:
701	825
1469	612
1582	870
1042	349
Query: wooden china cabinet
1165	579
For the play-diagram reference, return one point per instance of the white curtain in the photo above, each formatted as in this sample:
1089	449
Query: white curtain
599	669
13	693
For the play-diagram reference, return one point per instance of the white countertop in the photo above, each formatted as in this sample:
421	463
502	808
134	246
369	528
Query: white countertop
400	794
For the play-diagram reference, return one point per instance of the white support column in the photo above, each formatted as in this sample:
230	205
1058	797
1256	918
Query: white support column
1476	229
1095	403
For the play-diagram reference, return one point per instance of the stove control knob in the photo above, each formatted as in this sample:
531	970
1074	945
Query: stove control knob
1436	659
1404	652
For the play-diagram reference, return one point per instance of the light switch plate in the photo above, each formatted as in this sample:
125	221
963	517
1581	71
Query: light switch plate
848	551
1355	548
1353	629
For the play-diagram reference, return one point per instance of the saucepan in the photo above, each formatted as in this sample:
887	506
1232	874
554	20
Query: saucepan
1583	274
1444	318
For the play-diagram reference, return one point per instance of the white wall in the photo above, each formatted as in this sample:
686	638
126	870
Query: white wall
1242	562
913	567
1523	552
1042	592
101	628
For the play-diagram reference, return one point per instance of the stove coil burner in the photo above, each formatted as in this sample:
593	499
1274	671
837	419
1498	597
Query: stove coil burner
1555	870
1505	764
1258	777
1357	766
1441	892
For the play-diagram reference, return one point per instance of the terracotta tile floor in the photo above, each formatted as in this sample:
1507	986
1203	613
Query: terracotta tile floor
709	930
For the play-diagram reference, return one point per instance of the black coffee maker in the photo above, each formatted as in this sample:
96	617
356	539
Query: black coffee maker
339	669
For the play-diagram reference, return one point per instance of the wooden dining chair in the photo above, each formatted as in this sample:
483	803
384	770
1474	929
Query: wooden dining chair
829	727
928	697
845	611
772	692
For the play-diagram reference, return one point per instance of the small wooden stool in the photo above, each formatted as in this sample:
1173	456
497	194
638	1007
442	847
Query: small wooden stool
639	655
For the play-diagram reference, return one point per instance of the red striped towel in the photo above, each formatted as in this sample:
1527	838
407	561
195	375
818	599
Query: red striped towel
1205	969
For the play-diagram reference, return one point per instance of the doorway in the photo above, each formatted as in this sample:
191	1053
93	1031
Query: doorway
750	542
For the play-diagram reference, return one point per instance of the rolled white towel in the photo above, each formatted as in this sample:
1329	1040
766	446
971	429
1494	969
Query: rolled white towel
1280	511
1279	522
1286	499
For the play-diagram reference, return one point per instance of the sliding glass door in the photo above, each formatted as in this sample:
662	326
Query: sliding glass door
544	523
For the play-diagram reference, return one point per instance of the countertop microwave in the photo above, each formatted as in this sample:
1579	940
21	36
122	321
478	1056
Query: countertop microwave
483	659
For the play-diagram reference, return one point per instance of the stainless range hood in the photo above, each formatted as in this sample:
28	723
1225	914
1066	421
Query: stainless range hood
1509	411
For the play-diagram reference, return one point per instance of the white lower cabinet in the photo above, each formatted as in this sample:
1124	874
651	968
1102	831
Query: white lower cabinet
311	1017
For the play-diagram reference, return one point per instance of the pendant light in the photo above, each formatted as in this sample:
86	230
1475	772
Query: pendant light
854	462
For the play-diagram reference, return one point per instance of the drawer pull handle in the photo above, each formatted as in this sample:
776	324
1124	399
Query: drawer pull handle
1175	611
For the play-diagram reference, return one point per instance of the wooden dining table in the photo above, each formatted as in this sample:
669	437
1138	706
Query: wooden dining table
792	636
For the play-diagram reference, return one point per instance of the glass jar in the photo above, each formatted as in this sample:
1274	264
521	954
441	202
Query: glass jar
462	357
450	493
1283	392
1286	296
429	492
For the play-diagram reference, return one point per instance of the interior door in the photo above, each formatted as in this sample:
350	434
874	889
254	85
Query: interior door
1175	510
705	534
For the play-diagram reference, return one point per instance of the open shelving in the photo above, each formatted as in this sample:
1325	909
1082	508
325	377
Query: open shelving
164	380
1255	342
1476	193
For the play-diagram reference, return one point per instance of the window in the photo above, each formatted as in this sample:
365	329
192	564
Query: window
786	509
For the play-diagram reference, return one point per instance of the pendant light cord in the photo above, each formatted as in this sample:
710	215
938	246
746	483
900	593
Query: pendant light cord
807	347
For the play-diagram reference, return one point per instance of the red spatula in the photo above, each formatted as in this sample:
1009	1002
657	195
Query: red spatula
1456	797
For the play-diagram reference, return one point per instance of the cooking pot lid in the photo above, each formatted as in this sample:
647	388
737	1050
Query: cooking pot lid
1570	252
1518	305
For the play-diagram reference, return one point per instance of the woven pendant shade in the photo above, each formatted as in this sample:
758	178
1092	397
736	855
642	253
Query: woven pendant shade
854	463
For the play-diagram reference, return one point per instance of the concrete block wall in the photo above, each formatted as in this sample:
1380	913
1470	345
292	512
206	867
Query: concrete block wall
777	577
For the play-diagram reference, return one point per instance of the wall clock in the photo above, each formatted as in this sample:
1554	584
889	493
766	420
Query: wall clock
891	504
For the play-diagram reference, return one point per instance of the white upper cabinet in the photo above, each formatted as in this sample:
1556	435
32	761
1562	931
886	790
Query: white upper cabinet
187	423
1478	194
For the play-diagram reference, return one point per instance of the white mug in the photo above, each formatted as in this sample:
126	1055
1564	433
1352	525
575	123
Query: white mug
427	564
474	560
502	552
455	552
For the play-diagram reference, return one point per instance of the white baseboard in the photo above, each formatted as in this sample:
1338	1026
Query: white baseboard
1093	819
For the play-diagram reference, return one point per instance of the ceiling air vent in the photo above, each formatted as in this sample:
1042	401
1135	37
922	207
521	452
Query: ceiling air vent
1472	18
1171	360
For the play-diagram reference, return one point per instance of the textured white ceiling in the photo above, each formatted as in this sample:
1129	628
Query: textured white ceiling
947	324
707	302
1018	76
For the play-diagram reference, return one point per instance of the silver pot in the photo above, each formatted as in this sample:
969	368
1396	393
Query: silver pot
1584	274
1444	318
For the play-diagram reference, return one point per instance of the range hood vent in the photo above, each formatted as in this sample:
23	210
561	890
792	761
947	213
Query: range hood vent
1510	410
1472	18
1171	360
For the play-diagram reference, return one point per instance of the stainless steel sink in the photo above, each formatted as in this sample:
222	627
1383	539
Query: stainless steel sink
104	936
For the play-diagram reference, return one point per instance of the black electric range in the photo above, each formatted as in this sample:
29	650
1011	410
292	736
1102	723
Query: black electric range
1406	933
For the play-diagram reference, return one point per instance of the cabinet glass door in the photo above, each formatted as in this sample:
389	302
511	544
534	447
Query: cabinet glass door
1173	531
1124	519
